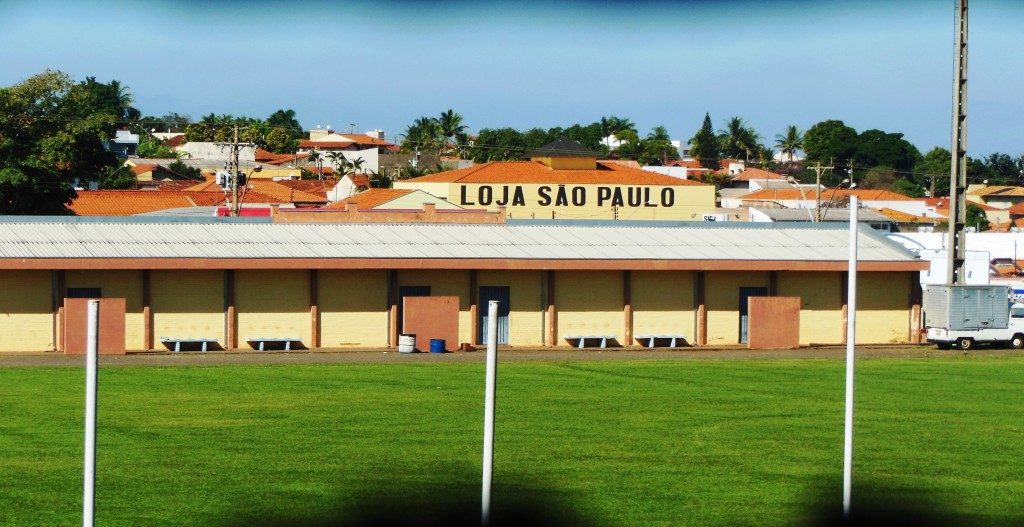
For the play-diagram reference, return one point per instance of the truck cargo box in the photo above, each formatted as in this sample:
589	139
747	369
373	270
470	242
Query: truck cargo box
966	307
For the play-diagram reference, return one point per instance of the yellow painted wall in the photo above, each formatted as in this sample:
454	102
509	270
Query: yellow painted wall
117	284
272	303
883	307
444	283
690	202
26	311
722	297
589	303
568	163
353	308
821	316
663	303
526	316
415	200
187	304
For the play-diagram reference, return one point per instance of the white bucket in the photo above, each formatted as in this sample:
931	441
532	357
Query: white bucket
406	343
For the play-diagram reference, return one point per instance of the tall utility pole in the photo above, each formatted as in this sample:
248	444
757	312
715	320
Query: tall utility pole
956	245
234	174
818	170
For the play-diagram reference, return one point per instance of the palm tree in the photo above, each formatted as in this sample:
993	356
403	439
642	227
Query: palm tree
339	161
451	127
791	141
357	164
738	139
317	159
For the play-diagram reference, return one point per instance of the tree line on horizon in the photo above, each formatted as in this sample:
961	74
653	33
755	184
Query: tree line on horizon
53	130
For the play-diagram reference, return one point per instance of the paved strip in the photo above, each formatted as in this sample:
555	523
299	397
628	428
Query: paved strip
382	356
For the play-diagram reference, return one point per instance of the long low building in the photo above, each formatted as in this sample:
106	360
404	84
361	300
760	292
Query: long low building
342	285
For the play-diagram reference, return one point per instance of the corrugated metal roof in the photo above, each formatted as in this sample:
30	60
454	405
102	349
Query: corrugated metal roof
49	238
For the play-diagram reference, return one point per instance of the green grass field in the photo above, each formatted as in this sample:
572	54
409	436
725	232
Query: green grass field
745	442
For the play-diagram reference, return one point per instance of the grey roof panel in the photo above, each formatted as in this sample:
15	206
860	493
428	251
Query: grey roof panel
49	238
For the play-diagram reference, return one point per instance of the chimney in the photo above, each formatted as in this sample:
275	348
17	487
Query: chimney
428	211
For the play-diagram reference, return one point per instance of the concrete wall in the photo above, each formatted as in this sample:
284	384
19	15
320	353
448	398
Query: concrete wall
663	303
118	284
445	283
187	304
272	303
526	314
589	303
26	311
353	308
722	294
821	303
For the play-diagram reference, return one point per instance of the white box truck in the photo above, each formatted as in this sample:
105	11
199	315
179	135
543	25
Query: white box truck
965	315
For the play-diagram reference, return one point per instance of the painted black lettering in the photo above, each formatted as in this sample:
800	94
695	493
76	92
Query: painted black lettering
517	197
647	198
463	199
634	196
668	197
561	198
545	196
603	195
617	198
579	196
504	197
485	195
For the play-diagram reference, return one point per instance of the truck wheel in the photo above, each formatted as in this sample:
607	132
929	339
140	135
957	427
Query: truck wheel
965	343
1017	342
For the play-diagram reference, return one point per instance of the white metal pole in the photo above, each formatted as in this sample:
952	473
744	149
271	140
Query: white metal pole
492	374
91	363
851	337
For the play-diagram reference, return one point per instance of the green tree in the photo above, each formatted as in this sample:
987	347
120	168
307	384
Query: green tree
737	139
180	167
933	171
976	218
119	178
52	132
830	141
150	147
612	125
279	141
198	133
704	145
790	141
878	148
451	127
657	148
285	119
501	144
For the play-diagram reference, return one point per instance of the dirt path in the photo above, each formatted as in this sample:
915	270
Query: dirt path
382	356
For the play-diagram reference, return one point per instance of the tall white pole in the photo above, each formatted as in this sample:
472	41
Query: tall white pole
91	363
851	337
489	389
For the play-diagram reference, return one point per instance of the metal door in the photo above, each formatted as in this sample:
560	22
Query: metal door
409	290
745	293
503	294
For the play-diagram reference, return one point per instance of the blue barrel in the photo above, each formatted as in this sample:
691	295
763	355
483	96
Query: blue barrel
437	345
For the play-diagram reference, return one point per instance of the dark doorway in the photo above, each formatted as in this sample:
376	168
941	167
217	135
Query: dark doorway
745	293
503	294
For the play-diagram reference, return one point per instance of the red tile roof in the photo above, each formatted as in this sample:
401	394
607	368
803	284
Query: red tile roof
757	174
689	163
370	199
129	202
795	194
143	168
535	172
307	143
175	141
1016	210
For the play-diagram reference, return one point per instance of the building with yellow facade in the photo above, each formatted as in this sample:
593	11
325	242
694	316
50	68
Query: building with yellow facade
341	285
565	181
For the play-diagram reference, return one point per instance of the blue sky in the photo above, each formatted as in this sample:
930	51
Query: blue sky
885	65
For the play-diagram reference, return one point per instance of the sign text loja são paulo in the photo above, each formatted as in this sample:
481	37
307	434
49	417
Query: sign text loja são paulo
568	196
